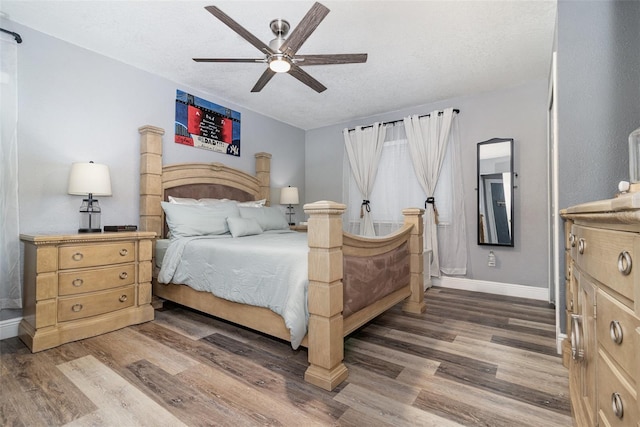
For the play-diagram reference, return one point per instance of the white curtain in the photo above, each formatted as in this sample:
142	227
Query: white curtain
395	189
364	147
429	138
10	286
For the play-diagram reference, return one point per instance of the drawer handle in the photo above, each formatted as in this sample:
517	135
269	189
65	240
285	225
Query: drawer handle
577	353
582	245
624	263
123	252
572	239
77	256
76	307
77	283
616	405
615	330
123	298
124	275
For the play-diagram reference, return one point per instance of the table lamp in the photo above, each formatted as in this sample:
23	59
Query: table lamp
89	179
289	196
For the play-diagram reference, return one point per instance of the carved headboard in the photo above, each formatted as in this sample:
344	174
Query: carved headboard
194	180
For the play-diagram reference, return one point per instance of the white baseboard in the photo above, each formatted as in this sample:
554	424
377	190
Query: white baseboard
496	288
9	328
559	338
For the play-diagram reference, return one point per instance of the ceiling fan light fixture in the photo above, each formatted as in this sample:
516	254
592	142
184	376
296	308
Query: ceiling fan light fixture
279	64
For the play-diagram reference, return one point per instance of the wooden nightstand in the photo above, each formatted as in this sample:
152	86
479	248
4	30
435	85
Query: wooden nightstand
299	227
82	285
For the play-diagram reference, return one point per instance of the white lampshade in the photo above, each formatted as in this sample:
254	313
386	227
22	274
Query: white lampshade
289	196
89	178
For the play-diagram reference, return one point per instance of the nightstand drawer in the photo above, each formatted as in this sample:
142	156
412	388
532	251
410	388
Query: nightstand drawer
608	256
616	326
79	307
616	402
81	281
96	254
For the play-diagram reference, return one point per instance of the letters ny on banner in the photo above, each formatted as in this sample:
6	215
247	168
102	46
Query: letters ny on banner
203	124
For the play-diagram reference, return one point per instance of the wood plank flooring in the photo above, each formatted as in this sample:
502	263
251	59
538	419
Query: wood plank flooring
472	359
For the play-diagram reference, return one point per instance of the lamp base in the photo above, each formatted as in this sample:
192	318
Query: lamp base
89	230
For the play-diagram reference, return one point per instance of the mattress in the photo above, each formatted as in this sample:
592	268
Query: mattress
266	270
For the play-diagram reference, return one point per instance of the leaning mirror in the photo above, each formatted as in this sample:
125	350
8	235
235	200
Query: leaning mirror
495	192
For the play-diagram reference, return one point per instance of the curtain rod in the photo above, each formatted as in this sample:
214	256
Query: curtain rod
455	111
15	35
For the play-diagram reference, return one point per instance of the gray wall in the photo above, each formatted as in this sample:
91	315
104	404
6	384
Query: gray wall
598	96
76	105
598	101
518	113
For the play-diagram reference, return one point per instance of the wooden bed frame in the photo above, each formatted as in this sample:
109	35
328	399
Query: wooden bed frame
329	247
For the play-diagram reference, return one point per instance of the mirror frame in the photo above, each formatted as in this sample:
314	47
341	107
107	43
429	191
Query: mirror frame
480	193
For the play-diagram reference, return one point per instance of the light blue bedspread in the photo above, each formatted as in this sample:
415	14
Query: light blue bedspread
267	270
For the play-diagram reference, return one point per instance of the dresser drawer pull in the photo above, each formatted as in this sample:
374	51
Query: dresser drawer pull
582	245
123	298
77	282
615	330
124	275
616	405
577	353
76	307
624	263
572	239
77	256
123	252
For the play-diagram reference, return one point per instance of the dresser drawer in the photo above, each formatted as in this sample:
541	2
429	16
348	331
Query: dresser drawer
615	395
608	256
97	279
616	326
95	255
96	303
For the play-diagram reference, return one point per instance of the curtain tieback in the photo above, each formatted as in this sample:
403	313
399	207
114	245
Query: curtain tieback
365	205
432	201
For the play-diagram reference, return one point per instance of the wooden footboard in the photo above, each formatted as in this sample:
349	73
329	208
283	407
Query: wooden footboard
329	245
331	253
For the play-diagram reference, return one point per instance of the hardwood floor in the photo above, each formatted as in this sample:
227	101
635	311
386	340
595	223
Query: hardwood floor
472	359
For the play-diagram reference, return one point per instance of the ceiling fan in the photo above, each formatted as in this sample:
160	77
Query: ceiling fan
280	53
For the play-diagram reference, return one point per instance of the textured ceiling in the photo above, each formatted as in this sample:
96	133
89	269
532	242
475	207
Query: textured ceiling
419	51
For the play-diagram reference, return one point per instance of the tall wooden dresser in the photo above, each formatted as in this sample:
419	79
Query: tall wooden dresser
81	285
603	310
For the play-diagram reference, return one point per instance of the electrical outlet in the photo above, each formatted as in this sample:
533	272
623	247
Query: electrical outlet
491	262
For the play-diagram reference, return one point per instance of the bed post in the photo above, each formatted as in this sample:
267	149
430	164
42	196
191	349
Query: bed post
326	330
151	179
415	303
263	173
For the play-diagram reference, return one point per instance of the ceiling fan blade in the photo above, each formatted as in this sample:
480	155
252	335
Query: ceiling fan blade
242	32
304	29
343	58
263	80
305	78
256	60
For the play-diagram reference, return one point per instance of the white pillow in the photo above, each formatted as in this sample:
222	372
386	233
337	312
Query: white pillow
269	218
205	202
182	200
198	220
190	201
253	203
243	226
